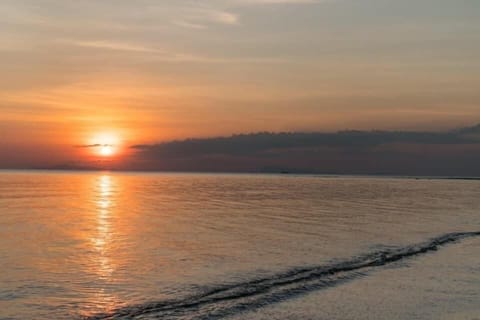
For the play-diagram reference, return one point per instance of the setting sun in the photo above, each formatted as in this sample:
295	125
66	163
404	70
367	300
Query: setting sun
105	144
106	150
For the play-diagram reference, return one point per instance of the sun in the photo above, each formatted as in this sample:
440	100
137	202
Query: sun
106	150
105	144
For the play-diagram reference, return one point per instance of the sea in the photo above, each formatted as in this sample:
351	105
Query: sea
125	245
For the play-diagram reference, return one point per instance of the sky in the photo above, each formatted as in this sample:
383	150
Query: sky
80	74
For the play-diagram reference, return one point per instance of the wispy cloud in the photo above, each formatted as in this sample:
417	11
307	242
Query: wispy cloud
197	15
111	45
97	145
203	17
171	55
253	2
224	17
191	25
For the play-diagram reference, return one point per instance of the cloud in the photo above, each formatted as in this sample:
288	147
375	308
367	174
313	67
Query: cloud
170	56
264	142
253	2
393	152
225	17
204	16
191	25
195	15
96	145
110	45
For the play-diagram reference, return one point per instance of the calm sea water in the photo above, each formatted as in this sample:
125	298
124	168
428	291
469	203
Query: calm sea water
77	245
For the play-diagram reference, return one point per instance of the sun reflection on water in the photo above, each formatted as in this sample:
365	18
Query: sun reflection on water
103	237
102	260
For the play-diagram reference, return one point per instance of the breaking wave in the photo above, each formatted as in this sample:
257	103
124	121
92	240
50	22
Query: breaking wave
227	300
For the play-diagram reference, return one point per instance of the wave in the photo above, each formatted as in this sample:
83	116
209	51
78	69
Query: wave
230	299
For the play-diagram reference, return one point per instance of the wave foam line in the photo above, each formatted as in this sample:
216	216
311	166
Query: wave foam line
229	299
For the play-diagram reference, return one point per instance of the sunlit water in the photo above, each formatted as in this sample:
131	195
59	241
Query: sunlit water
147	246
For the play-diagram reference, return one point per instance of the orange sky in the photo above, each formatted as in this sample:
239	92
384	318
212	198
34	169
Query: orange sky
149	71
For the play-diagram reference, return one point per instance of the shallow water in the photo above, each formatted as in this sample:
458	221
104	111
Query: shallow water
125	245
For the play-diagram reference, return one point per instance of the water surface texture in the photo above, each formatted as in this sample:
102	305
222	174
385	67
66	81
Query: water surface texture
81	245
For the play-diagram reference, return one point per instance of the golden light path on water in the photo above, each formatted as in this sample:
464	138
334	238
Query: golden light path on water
104	225
102	261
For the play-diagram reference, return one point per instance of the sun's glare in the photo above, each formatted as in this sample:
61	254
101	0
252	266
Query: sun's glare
105	144
106	150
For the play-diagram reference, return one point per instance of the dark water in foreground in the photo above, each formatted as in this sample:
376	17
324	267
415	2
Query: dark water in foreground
199	246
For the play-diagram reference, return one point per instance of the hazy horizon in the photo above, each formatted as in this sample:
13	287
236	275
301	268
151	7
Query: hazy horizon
378	152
